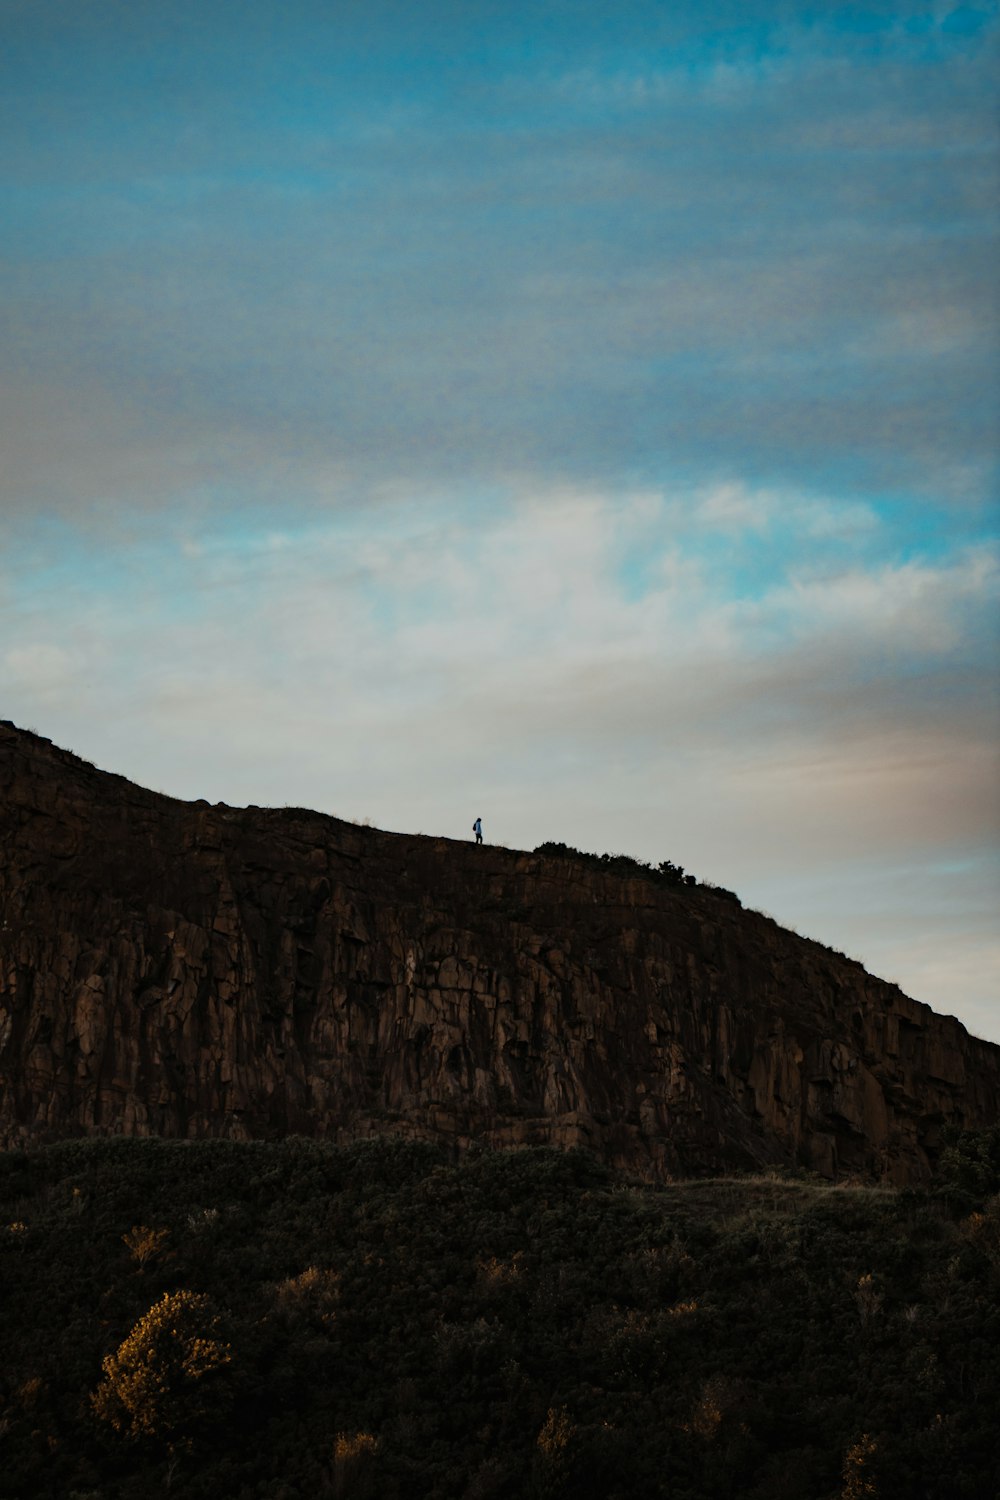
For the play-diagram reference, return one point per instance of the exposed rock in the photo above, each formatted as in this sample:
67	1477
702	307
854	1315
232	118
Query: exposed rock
187	970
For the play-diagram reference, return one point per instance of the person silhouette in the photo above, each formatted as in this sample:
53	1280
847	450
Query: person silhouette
477	829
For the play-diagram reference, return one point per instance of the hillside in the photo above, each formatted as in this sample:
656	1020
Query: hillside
285	1320
186	970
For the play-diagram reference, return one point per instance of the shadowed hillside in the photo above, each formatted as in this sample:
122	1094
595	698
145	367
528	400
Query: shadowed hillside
286	1320
186	970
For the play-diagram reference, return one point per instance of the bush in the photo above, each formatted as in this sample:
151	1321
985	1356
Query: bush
163	1381
145	1244
665	873
969	1165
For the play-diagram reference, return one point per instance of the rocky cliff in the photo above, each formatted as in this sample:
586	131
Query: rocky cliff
192	970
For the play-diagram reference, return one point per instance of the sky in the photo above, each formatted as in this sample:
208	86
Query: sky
582	415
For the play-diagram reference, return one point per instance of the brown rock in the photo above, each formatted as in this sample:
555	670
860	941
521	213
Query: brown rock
175	968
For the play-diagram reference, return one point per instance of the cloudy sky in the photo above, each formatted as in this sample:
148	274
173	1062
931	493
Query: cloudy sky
580	414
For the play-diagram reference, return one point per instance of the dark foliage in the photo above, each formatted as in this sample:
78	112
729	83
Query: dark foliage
665	873
969	1167
379	1321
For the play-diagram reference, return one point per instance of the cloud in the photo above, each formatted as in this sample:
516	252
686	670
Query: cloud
534	615
39	667
732	508
514	269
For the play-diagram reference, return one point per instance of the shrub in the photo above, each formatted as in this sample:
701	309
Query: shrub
353	1461
310	1298
858	1480
143	1243
556	1434
868	1299
983	1229
628	868
163	1381
969	1166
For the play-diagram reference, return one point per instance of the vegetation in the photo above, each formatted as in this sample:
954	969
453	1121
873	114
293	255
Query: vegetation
160	1384
294	1319
665	873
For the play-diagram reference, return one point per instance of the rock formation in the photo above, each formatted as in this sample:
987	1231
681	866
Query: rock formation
192	970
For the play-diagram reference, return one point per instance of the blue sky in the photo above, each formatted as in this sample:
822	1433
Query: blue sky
584	415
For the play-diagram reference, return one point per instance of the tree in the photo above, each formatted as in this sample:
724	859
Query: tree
166	1380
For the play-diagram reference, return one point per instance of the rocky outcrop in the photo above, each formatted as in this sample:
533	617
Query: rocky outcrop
192	970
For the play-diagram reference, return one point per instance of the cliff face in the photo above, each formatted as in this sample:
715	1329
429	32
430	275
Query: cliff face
188	970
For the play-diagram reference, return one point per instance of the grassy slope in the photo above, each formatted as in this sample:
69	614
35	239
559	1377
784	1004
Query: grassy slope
521	1324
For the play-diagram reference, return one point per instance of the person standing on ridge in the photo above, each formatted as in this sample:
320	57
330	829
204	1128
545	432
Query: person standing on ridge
477	829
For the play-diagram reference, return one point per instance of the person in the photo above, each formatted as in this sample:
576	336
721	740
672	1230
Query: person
477	829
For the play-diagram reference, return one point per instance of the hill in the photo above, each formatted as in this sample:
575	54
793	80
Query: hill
284	1320
184	970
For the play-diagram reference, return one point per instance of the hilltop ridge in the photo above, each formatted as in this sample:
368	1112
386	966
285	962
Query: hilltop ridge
188	970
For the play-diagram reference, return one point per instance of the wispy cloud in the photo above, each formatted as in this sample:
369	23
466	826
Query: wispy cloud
711	280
